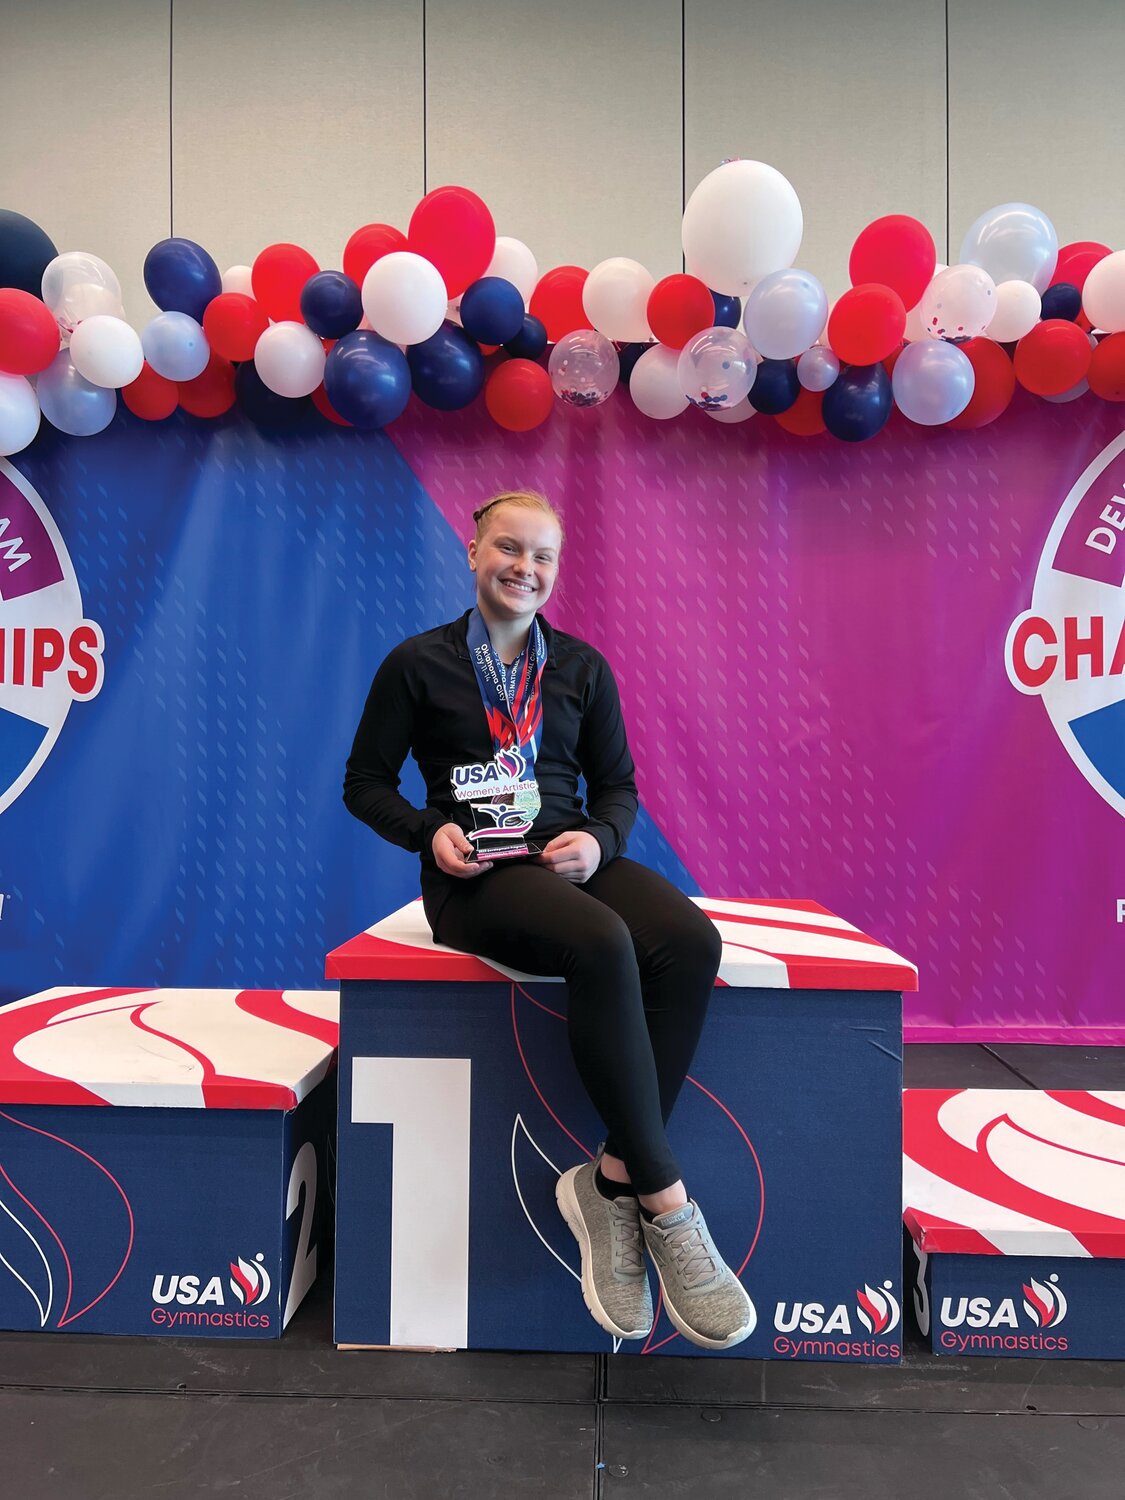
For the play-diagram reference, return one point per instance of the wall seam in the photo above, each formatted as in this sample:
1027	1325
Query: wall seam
683	120
171	151
948	259
425	125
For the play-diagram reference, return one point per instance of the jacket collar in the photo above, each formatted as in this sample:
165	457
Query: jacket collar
457	633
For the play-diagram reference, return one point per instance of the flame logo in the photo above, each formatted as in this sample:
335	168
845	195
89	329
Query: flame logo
877	1309
510	762
249	1280
1044	1304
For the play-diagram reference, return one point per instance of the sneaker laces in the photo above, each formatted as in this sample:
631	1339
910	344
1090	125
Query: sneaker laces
628	1254
695	1261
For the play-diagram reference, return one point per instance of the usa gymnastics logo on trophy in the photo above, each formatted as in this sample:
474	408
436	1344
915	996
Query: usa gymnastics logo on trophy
50	655
1069	647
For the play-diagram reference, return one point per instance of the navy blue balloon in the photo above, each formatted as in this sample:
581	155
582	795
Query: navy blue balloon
263	406
447	369
728	310
1062	301
530	342
858	403
331	305
492	310
627	357
775	387
25	251
367	379
181	277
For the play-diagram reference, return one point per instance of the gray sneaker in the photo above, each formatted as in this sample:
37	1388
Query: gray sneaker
705	1299
614	1278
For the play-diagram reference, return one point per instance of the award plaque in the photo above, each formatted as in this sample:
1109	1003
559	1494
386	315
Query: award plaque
504	802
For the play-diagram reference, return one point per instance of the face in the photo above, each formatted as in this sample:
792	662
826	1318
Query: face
516	562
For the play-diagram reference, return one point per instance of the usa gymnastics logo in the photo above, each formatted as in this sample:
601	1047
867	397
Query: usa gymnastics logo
50	655
1069	647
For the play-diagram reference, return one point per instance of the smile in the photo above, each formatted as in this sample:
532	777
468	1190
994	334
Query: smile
520	588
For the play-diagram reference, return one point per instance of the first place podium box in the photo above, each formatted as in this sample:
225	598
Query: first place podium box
164	1159
459	1106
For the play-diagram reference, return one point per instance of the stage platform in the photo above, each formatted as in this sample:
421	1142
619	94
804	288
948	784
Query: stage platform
119	1418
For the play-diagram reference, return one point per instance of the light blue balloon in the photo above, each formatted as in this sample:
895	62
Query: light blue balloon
175	346
818	368
70	402
932	382
1014	242
785	313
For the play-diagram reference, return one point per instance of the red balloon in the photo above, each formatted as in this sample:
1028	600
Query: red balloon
212	393
151	396
233	323
519	395
325	407
678	308
995	385
278	277
29	335
453	229
366	246
1107	368
896	251
557	301
804	418
1052	358
867	324
1076	261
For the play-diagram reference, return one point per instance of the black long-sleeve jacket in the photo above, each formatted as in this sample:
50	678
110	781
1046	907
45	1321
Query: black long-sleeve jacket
425	701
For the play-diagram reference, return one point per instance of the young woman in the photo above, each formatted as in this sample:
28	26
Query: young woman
503	715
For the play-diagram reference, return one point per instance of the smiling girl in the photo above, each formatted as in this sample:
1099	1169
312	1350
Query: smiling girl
501	699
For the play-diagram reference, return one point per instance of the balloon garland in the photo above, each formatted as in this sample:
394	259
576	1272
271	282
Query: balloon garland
452	312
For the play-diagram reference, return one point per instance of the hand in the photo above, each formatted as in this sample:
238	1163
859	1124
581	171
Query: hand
451	849
575	856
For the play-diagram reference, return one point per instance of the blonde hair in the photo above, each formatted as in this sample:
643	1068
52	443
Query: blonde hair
525	500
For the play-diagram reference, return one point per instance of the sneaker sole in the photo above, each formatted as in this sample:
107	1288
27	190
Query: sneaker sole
567	1200
699	1338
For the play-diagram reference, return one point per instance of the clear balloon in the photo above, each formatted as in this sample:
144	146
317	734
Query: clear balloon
655	384
615	297
70	402
514	262
1018	307
289	358
914	329
107	351
404	298
785	313
717	368
818	368
19	414
932	382
1013	242
78	285
1103	296
175	346
741	223
584	368
959	303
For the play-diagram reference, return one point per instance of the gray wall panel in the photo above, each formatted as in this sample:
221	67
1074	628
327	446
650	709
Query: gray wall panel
1035	114
294	121
566	119
846	97
84	129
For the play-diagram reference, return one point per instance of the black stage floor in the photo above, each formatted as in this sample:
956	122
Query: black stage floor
86	1418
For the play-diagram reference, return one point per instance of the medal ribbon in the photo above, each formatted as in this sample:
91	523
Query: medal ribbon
514	721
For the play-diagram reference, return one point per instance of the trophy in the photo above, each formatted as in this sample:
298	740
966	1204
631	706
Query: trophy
504	802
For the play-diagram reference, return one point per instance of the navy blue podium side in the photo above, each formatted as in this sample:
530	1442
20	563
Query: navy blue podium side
459	1106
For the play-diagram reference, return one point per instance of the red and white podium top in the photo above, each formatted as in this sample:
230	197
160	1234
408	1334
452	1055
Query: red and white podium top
775	945
1014	1171
182	1049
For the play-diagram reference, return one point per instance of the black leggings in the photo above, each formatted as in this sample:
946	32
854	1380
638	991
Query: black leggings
639	960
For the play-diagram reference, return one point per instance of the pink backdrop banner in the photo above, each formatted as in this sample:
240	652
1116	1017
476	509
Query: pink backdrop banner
814	645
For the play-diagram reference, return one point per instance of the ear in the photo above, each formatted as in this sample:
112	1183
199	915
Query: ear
473	555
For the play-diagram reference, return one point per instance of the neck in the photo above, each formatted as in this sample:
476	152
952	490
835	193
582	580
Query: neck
509	637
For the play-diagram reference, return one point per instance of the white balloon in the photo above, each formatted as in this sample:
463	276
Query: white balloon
239	279
1013	242
1018	306
290	359
655	384
741	223
615	298
19	413
1103	296
515	263
785	314
107	351
741	412
959	303
404	297
914	329
175	346
77	285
